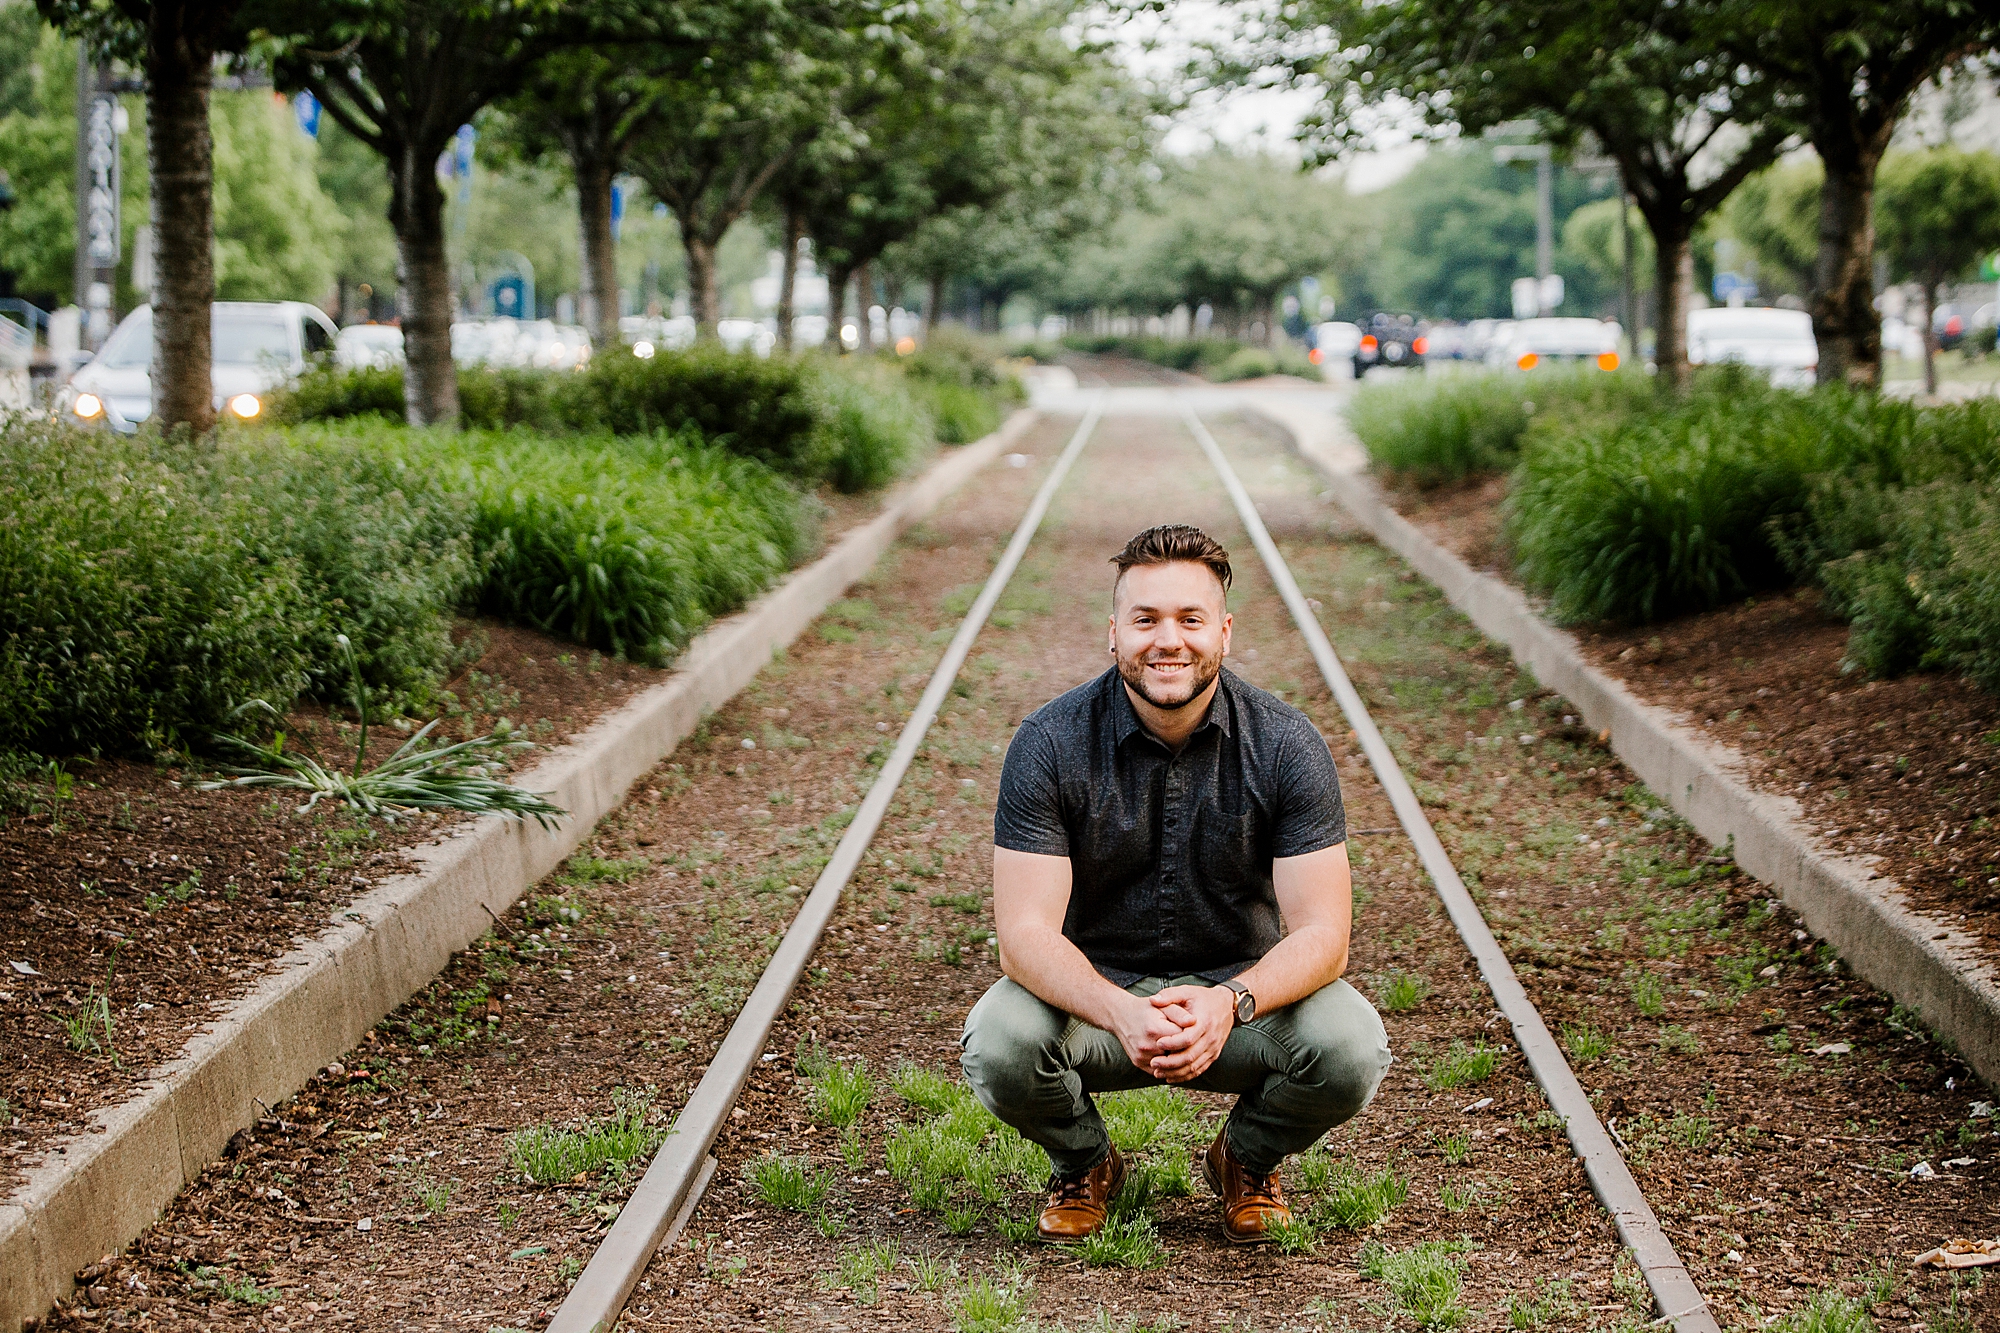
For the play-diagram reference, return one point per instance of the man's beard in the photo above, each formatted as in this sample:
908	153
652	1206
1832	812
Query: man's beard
1202	670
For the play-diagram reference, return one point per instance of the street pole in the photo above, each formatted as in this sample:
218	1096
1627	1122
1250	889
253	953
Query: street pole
98	225
1545	217
1630	288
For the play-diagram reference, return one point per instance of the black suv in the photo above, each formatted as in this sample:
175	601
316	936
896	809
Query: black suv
1389	340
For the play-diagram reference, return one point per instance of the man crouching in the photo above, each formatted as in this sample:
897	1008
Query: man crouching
1153	825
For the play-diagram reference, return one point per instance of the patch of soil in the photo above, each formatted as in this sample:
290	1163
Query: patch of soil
1903	773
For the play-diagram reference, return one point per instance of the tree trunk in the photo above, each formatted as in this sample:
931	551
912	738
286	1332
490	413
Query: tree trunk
703	293
788	280
416	212
934	306
836	301
181	156
1930	339
864	300
598	308
1845	322
1673	279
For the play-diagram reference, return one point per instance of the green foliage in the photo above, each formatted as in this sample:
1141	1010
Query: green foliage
1427	1280
276	233
1398	991
1829	1311
1585	1043
1937	213
792	1183
852	424
131	605
628	545
1461	1065
957	377
1357	1199
1647	996
842	1093
1247	363
552	1154
1668	511
986	1306
1434	429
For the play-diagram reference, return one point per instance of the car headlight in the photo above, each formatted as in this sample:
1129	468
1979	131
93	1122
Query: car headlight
1607	360
88	406
1527	360
642	349
245	405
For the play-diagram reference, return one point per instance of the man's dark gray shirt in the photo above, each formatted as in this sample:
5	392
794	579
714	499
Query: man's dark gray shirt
1170	854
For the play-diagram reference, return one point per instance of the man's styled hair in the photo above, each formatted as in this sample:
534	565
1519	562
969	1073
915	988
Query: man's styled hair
1172	543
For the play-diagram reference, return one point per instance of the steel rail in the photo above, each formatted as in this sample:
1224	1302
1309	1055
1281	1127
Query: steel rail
670	1183
1680	1302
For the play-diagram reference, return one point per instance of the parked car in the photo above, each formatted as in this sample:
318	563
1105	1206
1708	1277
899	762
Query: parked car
258	345
647	334
1389	340
1334	344
741	335
1777	342
376	345
1556	340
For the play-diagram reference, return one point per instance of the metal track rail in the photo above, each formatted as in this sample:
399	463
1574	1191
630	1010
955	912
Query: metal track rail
672	1183
1680	1302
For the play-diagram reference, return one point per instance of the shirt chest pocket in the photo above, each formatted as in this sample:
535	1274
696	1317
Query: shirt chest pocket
1226	853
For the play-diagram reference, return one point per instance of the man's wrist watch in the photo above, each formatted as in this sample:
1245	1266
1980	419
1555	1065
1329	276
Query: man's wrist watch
1246	1003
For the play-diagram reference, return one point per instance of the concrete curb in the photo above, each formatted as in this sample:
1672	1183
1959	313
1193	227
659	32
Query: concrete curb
1923	961
321	998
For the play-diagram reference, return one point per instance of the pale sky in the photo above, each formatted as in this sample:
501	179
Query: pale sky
1253	118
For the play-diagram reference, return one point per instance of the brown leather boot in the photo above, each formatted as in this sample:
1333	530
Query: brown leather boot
1250	1203
1077	1207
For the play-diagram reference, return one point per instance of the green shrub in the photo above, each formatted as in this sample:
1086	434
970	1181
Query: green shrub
761	408
1440	427
871	425
384	550
132	604
812	418
1245	364
627	545
1670	511
960	414
328	391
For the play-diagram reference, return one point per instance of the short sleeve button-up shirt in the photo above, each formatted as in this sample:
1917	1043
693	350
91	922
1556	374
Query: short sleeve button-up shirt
1170	854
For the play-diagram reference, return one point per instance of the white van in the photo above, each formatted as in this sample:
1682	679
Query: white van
257	346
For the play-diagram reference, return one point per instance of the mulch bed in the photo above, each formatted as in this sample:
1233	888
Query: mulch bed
1903	773
142	898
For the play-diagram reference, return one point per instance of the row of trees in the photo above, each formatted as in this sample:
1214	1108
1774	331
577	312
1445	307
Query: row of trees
1690	100
861	124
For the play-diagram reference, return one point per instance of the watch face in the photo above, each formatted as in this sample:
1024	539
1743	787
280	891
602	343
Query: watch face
1246	1006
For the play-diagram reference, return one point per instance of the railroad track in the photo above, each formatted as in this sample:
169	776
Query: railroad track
666	1196
711	840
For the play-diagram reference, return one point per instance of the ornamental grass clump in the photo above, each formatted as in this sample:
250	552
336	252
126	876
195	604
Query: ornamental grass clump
1440	427
131	610
1670	511
626	545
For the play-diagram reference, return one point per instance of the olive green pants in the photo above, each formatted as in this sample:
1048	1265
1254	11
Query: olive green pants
1297	1071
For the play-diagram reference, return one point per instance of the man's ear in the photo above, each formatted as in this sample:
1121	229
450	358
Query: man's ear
1111	634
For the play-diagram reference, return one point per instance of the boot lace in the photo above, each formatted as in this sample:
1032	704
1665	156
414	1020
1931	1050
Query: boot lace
1072	1189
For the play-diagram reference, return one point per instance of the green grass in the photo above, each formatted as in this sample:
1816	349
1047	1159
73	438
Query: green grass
1398	991
1127	1240
1585	1043
1554	1305
1427	1280
1829	1311
1647	995
1355	1200
791	1183
1146	1117
1435	429
986	1306
1461	1065
554	1154
841	1093
863	1267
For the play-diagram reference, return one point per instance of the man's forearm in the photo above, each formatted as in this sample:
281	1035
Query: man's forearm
1304	961
1055	971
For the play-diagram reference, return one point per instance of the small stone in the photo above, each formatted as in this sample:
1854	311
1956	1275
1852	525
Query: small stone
365	1224
1922	1171
749	744
1833	1048
1516	705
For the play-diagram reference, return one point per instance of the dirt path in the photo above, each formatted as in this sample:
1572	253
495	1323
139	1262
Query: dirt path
1776	1170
